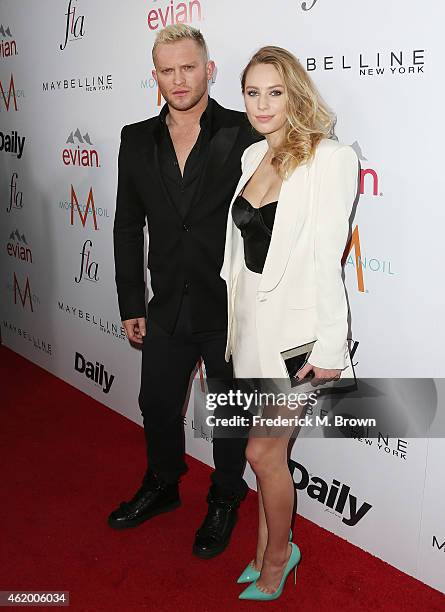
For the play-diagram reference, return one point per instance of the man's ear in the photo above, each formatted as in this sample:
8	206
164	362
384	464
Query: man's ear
154	75
210	69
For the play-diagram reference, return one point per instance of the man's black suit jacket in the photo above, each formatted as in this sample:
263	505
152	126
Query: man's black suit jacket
182	251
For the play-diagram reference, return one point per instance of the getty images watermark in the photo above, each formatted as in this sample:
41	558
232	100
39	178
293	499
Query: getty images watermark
256	401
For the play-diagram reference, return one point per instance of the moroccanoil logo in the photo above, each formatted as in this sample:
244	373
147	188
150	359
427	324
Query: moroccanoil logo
152	84
353	256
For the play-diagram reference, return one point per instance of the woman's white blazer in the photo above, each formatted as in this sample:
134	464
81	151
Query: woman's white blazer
301	295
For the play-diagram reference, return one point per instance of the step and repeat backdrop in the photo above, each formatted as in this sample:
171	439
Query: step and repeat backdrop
73	72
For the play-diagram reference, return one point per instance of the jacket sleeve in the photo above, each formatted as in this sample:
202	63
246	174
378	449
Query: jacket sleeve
128	239
337	193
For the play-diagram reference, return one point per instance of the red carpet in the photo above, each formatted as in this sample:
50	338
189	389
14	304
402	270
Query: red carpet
68	460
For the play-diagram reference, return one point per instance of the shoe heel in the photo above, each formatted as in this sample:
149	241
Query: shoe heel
295	575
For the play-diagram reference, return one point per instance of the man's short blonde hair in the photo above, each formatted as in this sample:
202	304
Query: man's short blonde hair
179	31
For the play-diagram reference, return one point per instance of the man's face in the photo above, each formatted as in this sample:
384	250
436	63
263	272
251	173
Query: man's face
182	73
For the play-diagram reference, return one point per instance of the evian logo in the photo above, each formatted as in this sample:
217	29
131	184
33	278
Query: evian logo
94	371
335	496
75	26
89	269
371	185
307	6
175	12
17	246
7	47
82	152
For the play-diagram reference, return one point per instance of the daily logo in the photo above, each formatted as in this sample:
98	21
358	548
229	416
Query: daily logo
12	143
75	25
179	12
8	45
17	246
80	151
335	495
88	268
9	95
15	196
93	371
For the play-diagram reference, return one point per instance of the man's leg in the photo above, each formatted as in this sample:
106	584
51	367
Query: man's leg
228	486
167	363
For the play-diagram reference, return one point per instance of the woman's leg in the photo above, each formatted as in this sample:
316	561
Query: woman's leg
262	531
268	458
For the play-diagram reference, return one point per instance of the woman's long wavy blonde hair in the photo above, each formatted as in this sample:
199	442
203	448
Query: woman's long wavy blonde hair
308	118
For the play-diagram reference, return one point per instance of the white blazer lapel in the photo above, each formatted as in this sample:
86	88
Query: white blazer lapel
291	212
233	236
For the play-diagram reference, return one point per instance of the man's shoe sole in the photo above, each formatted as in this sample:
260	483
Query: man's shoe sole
116	524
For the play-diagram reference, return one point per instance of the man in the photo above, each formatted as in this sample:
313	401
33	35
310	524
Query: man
179	171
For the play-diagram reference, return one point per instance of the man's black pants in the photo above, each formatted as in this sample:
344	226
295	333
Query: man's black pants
167	364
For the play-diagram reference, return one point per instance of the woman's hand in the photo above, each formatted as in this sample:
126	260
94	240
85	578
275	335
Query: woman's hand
319	374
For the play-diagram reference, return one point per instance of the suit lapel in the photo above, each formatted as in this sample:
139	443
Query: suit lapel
291	212
151	152
234	251
219	149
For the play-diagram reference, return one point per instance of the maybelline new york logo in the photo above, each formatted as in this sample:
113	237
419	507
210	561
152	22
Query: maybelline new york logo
83	212
94	320
9	95
353	256
82	152
89	269
437	545
8	45
174	12
96	83
336	497
74	25
390	62
93	371
17	246
37	342
15	195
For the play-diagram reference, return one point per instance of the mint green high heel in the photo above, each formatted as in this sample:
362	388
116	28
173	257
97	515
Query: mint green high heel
253	593
250	573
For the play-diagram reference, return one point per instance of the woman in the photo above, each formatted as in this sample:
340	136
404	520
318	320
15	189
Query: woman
287	228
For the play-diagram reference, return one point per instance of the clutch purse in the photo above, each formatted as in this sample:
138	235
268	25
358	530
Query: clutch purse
295	358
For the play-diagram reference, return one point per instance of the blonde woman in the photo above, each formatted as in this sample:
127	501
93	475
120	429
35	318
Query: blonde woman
287	228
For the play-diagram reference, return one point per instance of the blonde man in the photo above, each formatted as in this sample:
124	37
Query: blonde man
178	171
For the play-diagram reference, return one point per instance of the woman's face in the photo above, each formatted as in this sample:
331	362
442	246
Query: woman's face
265	99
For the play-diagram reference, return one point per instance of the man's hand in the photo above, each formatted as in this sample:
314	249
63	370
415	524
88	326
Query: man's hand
135	329
320	375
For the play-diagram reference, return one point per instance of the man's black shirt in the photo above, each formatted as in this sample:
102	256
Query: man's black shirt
182	188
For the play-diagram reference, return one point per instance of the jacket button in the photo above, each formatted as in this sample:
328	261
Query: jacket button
185	228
